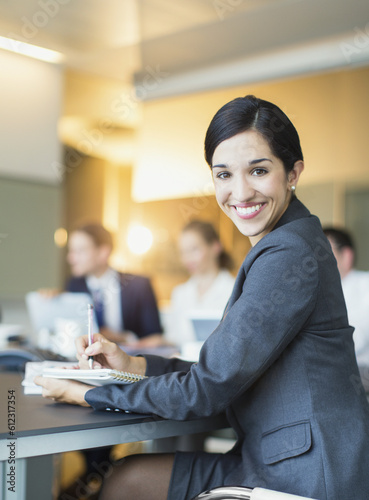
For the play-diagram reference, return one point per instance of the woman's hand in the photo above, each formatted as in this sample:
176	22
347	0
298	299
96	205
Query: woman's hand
63	391
107	354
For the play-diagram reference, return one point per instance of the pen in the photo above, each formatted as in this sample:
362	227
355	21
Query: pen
90	311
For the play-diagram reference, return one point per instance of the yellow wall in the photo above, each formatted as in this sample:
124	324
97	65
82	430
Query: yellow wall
329	111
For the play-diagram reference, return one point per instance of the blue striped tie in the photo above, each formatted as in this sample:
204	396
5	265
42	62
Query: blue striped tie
99	307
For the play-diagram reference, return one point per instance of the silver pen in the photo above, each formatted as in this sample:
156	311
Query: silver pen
90	313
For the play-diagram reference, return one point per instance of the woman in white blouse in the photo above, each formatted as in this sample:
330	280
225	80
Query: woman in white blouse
210	284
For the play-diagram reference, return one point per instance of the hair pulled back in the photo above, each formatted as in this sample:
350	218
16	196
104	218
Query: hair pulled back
251	113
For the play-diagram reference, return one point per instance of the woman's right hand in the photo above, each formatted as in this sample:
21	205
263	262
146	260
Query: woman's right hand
107	354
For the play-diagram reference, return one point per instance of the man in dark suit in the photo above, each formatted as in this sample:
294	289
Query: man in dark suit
126	312
125	304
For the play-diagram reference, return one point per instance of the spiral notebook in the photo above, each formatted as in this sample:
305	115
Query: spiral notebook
96	377
64	370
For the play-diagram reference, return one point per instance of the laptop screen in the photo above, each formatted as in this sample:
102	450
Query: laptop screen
45	312
205	322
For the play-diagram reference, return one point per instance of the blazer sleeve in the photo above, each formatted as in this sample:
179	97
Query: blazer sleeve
268	309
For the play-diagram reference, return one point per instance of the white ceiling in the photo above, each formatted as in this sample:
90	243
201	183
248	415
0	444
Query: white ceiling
188	45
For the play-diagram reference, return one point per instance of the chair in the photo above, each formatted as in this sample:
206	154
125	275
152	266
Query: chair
241	493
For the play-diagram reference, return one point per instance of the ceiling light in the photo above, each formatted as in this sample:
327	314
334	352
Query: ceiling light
139	239
26	49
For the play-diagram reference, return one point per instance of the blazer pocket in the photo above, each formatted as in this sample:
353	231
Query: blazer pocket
285	442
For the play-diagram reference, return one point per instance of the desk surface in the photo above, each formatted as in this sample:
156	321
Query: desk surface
44	427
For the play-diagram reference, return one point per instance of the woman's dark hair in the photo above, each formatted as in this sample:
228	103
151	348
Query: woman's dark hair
210	235
251	113
99	235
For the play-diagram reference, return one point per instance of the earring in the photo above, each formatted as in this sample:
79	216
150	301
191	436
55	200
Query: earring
293	188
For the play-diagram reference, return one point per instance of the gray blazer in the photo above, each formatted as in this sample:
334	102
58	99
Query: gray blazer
281	364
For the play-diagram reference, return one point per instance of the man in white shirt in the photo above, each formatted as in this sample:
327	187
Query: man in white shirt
355	285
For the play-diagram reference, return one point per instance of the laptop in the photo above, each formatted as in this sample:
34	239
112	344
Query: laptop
58	321
45	312
204	322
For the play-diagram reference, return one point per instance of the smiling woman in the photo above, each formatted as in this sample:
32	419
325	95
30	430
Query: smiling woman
252	185
256	164
281	363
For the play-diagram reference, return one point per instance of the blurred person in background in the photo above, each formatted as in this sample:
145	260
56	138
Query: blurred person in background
355	285
209	286
125	304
